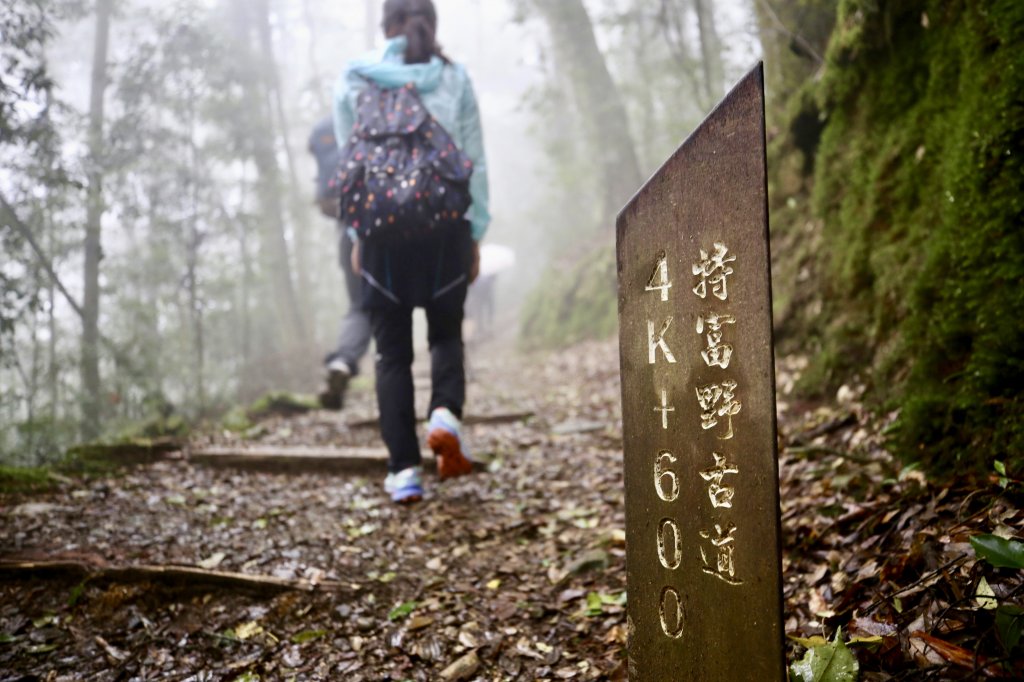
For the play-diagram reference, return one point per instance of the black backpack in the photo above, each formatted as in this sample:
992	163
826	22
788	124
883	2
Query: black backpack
400	174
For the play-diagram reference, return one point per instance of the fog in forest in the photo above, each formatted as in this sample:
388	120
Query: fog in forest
177	152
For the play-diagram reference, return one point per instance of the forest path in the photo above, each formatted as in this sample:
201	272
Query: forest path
514	573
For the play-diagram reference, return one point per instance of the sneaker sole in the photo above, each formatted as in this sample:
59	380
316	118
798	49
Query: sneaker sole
408	499
451	463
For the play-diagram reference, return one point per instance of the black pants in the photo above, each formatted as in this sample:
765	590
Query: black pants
431	275
392	330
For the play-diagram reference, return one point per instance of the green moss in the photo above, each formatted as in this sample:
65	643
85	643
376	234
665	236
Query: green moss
918	182
281	403
236	420
571	304
160	426
25	479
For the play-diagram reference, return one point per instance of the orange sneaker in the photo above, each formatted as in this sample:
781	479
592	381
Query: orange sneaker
443	438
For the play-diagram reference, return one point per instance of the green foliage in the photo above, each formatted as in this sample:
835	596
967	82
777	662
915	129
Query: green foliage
999	552
1009	625
831	662
402	610
917	181
571	304
27	141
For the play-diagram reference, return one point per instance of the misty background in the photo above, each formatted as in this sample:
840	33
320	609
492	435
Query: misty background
162	256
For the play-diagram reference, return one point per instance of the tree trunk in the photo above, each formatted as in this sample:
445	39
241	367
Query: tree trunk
597	97
246	322
52	373
711	51
91	399
32	387
285	324
299	202
195	239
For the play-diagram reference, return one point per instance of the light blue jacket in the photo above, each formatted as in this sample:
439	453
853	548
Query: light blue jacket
447	93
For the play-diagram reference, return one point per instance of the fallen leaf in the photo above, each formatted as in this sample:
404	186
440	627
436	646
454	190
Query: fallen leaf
831	662
307	636
419	622
984	597
247	630
462	669
213	561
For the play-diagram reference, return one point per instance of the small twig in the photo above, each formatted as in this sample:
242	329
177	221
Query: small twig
925	578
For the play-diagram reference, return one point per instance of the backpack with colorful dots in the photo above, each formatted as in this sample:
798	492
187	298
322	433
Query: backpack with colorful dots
400	175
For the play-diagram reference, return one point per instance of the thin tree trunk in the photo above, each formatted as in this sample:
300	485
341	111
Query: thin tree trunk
94	215
711	51
195	239
51	298
195	316
299	205
246	382
597	97
32	389
274	248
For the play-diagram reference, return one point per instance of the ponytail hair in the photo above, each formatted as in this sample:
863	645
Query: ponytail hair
417	21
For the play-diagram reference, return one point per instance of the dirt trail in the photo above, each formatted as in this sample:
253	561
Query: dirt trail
514	573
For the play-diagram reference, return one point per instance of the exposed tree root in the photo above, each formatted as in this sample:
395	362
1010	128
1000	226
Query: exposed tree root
179	576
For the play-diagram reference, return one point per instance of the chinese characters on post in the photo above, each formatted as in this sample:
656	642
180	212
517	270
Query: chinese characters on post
698	408
718	402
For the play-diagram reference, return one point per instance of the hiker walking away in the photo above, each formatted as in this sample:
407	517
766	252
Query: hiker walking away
413	184
342	363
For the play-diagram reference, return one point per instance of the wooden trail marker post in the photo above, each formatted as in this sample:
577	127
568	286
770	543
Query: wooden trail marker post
698	408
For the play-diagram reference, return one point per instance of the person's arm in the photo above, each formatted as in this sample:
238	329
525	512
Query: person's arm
473	146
